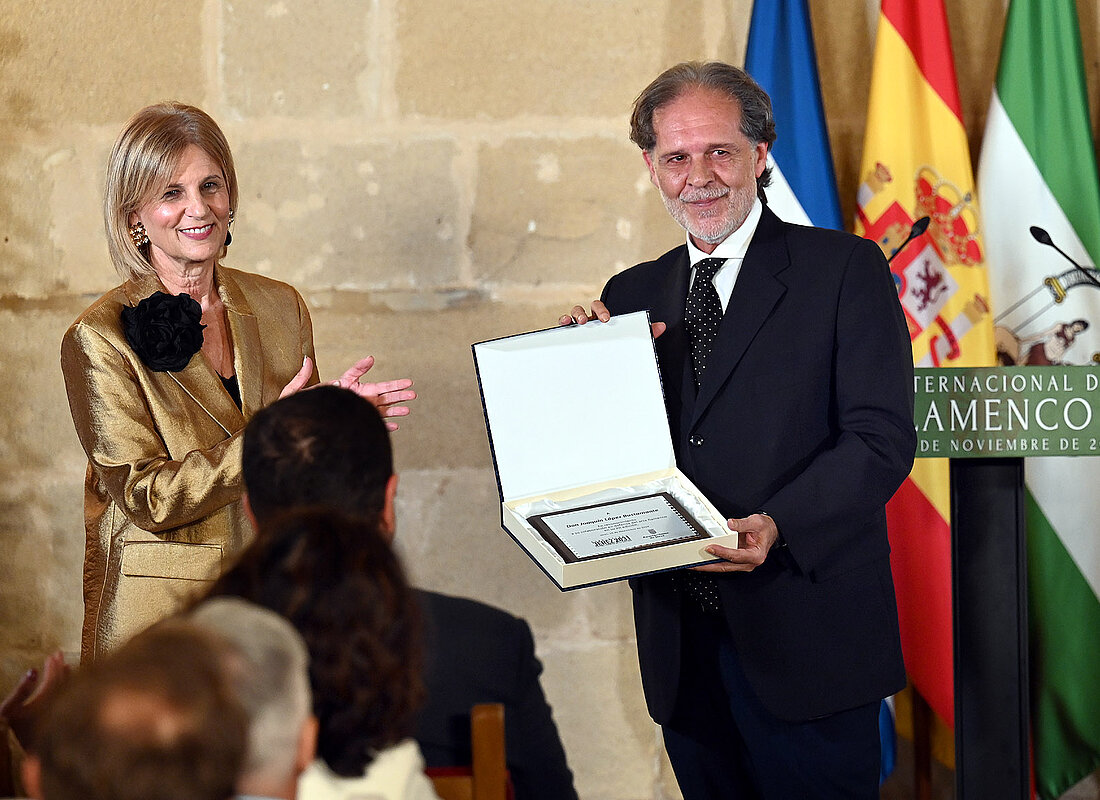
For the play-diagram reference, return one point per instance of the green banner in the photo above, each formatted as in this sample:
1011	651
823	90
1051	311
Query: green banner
1007	412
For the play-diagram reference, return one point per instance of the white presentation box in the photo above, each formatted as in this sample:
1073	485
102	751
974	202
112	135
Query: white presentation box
576	418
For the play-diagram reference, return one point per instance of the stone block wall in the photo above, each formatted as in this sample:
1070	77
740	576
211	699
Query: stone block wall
428	174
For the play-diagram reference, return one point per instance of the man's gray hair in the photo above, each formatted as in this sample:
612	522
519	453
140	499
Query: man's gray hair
271	679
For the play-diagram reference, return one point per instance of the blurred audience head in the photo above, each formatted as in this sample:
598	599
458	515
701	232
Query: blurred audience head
154	720
338	581
326	447
268	670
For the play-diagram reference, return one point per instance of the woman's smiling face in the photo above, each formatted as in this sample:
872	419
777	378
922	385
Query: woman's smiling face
188	221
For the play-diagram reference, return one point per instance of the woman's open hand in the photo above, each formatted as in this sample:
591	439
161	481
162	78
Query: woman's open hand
384	396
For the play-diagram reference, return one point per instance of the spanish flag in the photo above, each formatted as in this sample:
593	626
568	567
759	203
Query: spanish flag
916	163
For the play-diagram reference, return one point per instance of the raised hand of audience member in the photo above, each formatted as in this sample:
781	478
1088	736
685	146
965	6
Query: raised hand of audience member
23	706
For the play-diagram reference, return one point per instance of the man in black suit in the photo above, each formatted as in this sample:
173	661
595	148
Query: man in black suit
787	374
319	448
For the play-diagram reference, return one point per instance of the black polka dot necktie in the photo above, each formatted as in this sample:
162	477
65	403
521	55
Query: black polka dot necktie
701	588
703	313
702	316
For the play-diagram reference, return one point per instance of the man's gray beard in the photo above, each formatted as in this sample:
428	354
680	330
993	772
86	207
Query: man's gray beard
737	211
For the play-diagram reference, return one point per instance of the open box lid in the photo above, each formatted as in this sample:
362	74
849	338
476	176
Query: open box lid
573	406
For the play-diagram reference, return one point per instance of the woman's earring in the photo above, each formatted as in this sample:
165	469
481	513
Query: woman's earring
229	233
138	235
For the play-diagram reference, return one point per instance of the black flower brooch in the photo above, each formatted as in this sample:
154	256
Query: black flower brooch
165	331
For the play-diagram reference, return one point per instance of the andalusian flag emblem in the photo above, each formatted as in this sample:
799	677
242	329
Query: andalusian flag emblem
1038	168
916	163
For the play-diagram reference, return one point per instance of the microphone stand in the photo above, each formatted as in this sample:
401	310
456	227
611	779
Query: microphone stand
919	227
1042	237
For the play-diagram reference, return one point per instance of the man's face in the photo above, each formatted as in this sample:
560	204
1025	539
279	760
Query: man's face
703	165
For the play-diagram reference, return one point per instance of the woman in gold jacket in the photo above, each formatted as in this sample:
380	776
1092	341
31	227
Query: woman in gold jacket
163	372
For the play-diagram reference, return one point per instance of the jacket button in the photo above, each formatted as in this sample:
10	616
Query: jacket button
695	441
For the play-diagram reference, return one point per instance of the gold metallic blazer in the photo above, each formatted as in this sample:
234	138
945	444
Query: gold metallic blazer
162	510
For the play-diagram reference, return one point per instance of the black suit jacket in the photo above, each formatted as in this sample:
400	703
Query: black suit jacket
475	653
805	413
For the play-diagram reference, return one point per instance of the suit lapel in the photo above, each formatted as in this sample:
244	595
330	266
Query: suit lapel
245	332
755	295
673	345
198	379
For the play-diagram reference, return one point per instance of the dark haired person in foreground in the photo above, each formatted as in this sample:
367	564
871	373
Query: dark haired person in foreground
787	374
329	449
155	720
338	582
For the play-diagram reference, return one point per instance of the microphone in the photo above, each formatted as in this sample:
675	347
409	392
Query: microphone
1042	237
919	227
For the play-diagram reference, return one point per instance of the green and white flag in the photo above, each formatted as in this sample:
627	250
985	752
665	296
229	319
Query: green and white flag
1038	168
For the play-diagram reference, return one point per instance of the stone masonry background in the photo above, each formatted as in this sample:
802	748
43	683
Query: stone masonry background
428	174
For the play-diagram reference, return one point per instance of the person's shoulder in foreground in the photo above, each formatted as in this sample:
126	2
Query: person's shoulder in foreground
477	653
395	773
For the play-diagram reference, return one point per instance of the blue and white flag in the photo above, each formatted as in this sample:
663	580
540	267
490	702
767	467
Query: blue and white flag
782	59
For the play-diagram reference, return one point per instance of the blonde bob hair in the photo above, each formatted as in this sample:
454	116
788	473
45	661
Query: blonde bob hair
142	163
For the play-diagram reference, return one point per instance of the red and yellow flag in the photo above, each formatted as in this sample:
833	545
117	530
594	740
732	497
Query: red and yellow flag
916	163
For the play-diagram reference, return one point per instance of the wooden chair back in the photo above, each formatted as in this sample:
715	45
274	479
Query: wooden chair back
487	777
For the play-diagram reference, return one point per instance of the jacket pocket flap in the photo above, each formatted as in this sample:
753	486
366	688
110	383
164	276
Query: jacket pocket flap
178	560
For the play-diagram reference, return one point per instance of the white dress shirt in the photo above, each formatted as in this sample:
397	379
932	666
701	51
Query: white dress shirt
732	248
